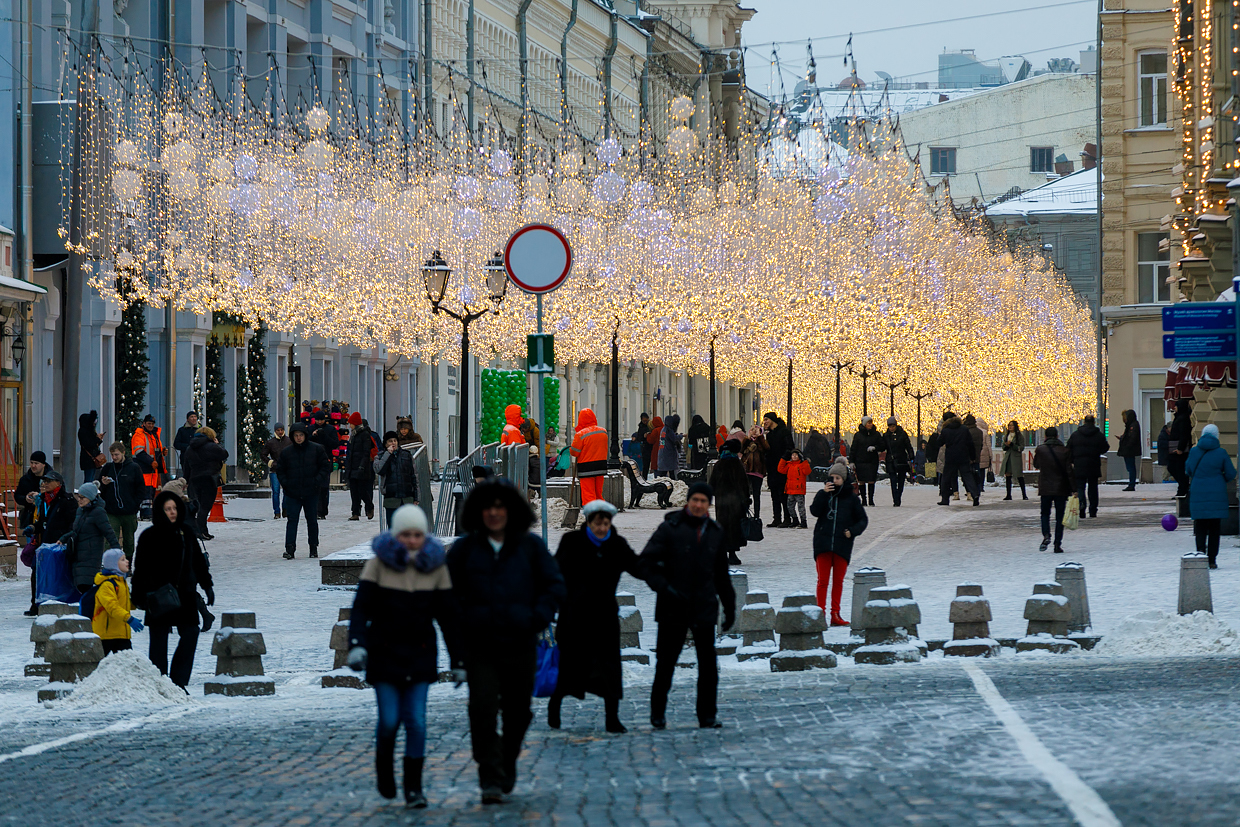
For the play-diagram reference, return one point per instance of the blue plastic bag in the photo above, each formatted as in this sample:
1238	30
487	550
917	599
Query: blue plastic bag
54	575
547	673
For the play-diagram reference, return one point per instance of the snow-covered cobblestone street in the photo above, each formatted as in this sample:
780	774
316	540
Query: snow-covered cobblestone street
1147	722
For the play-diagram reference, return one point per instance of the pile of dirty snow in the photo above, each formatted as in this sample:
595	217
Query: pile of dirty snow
126	678
1160	634
555	511
680	493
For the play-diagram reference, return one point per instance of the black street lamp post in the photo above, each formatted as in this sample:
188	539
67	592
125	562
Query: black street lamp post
436	273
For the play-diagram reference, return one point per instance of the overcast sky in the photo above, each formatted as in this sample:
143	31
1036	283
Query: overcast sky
905	37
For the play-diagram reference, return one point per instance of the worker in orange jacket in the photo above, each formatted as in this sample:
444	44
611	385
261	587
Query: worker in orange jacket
589	448
512	430
150	439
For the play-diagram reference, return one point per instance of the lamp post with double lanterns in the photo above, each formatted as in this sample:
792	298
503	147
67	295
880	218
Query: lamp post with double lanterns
436	273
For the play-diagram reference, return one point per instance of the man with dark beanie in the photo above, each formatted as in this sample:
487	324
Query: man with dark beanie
685	563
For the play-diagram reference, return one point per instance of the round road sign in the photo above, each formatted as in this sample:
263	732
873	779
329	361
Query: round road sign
538	258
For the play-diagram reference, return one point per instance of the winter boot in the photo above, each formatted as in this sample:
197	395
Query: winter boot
354	518
1046	541
612	723
385	767
414	800
314	551
370	513
1009	489
836	620
553	711
733	560
290	552
1023	495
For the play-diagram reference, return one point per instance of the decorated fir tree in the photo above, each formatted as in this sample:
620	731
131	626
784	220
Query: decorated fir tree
215	387
131	363
254	421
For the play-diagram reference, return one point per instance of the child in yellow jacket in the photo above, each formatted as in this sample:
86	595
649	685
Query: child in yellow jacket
113	619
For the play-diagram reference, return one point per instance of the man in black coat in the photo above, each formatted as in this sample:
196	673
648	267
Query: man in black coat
184	434
643	430
1055	479
899	458
325	435
123	489
1181	439
304	469
508	588
686	565
27	491
398	478
780	445
359	469
1087	445
54	512
959	456
203	460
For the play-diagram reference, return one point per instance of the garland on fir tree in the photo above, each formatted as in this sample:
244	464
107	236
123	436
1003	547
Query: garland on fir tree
132	361
215	388
252	403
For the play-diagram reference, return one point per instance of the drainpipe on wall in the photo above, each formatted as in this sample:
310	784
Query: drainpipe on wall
612	42
469	59
524	44
572	21
428	102
26	228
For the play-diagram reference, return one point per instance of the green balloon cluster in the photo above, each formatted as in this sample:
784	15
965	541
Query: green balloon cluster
551	399
500	388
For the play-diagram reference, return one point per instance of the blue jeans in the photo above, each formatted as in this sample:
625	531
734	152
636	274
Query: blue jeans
275	492
1131	464
89	474
293	507
403	706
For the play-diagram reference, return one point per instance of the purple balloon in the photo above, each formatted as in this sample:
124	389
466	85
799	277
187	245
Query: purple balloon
1169	522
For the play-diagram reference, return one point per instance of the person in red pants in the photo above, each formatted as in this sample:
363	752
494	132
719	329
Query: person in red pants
589	448
841	518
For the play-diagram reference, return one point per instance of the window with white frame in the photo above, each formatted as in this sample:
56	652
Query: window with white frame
1152	88
1153	269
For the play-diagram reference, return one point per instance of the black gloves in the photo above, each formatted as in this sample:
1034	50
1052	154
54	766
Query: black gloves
210	595
729	619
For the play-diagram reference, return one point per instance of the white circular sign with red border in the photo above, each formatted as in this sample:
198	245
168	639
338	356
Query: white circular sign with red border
538	258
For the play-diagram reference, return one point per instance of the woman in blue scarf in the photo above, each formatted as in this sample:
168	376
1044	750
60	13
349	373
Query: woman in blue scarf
588	633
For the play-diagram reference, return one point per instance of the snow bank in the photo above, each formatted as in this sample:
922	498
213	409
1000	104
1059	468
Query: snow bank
555	511
127	678
680	494
1160	634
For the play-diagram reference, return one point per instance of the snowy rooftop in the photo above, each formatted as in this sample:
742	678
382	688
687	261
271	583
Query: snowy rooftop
841	102
1075	194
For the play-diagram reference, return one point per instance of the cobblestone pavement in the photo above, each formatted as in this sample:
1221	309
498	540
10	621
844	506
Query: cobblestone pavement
865	746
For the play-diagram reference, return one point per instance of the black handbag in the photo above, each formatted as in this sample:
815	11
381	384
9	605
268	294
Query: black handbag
165	602
751	529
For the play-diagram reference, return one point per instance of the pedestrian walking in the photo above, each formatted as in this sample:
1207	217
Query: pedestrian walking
867	448
899	458
959	458
754	451
90	442
123	490
1209	469
652	440
170	554
979	449
779	446
985	456
1056	482
54	515
402	592
732	493
841	518
1179	440
271	453
1163	444
90	536
737	433
508	588
1013	462
113	618
686	566
325	435
512	426
184	434
398	478
591	560
1087	445
932	445
699	438
589	448
147	449
796	471
669	447
27	491
303	468
1130	447
640	437
817	449
204	462
360	468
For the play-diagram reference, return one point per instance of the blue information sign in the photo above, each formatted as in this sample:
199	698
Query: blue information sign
1188	316
1201	347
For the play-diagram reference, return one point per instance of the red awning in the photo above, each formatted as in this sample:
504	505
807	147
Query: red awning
1184	377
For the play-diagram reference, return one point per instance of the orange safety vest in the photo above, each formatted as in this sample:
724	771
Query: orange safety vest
589	446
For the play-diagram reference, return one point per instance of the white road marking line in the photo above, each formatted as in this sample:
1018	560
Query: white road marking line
120	726
1086	806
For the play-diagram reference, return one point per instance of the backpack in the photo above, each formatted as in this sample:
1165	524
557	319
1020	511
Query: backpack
86	606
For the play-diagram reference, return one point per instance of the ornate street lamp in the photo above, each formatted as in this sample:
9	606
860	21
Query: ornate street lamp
436	273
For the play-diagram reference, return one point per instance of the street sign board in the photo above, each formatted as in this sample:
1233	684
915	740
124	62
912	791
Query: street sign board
1191	316
538	258
541	353
1218	346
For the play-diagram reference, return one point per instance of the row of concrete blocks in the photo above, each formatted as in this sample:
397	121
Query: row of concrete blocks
66	651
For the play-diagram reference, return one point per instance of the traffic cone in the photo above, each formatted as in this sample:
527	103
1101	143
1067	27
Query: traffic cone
217	508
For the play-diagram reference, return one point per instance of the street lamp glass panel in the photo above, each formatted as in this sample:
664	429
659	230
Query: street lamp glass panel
19	347
436	273
497	277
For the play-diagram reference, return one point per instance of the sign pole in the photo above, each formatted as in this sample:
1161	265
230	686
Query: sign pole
542	433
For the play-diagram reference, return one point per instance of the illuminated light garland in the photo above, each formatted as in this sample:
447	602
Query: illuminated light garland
772	250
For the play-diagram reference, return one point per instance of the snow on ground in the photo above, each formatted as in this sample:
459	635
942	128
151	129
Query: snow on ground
1156	634
1131	567
127	678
